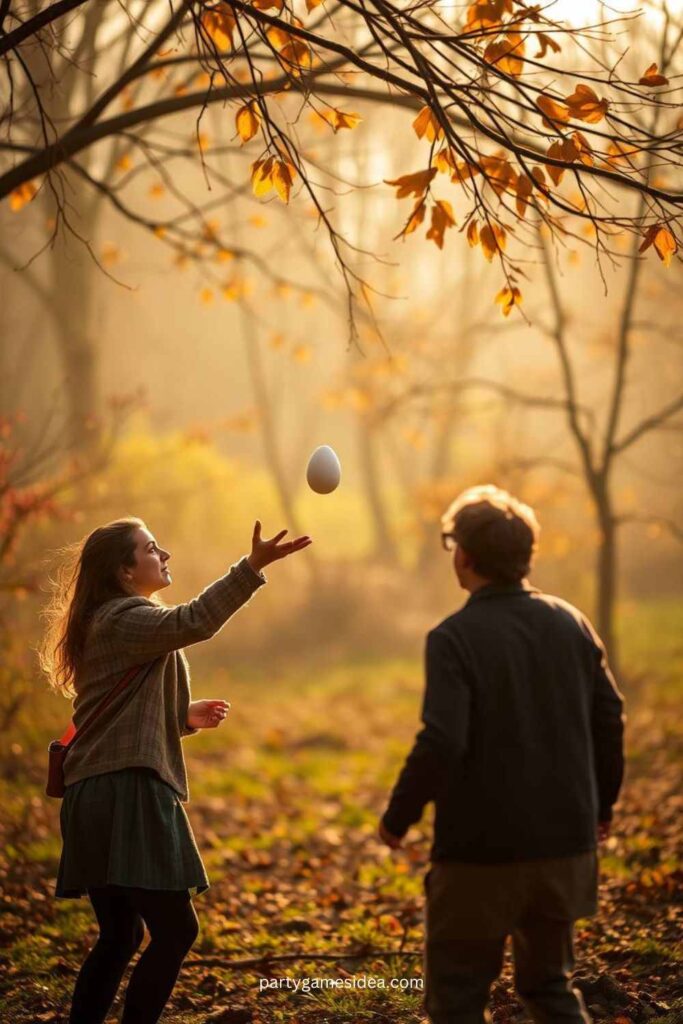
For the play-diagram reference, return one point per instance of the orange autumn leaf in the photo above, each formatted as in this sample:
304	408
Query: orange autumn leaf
555	114
487	13
546	42
499	173
584	105
664	242
219	25
652	77
21	196
507	54
493	239
442	218
523	189
412	184
265	5
339	119
426	125
464	172
473	234
564	150
444	160
312	4
508	298
282	177
248	121
261	180
295	54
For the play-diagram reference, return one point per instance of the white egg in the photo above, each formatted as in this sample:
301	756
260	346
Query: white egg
323	472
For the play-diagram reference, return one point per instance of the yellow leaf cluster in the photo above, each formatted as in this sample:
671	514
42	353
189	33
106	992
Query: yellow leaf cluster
21	196
508	298
663	241
273	173
294	53
569	150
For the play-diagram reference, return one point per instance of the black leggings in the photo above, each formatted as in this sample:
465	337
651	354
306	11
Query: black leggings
121	911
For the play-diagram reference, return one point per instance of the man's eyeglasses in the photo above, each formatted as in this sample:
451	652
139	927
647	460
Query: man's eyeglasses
448	542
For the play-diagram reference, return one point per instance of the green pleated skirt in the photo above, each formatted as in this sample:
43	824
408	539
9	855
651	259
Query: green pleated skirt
126	828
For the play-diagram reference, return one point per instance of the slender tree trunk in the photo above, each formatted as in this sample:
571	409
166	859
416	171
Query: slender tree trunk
606	568
384	547
72	289
440	464
271	447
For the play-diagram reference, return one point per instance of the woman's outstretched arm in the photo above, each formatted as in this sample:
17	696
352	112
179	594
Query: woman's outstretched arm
144	630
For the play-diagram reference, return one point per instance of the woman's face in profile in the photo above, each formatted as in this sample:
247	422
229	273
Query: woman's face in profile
150	572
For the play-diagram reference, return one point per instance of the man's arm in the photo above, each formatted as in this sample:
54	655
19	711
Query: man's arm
608	731
443	740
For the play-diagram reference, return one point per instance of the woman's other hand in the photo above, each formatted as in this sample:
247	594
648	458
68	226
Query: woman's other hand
263	552
206	714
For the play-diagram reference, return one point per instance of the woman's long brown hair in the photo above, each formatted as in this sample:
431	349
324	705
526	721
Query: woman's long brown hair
86	578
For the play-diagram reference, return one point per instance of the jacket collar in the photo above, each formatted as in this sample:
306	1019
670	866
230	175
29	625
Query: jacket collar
502	590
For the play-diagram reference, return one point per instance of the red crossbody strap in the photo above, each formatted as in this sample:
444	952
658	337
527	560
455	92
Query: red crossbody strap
71	734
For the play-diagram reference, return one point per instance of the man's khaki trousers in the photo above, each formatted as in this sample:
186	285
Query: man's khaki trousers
472	908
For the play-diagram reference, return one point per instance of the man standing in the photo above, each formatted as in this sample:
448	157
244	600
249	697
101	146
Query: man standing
522	753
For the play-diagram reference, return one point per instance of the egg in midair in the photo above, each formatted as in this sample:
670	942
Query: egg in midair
323	472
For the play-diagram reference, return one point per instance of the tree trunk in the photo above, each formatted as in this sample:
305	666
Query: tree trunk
440	464
271	447
384	547
606	583
72	287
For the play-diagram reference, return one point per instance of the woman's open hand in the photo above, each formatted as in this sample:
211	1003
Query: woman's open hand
263	552
206	714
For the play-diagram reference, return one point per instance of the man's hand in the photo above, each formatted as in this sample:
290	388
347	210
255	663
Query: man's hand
393	841
206	714
263	552
604	829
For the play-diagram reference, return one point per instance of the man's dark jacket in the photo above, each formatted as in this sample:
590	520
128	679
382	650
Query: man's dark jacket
522	745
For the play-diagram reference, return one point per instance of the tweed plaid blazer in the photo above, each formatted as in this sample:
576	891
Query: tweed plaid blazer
143	725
